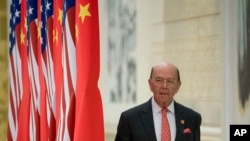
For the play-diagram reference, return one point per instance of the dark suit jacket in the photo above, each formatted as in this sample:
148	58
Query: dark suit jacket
137	124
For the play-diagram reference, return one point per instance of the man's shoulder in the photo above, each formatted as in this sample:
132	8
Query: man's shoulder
141	107
186	109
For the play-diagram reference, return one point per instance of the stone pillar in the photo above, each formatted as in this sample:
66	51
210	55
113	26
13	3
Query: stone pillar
4	85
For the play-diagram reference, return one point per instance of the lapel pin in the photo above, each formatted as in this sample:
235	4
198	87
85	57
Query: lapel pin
182	121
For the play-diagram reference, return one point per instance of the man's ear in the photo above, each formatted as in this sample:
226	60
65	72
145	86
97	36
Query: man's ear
150	84
179	85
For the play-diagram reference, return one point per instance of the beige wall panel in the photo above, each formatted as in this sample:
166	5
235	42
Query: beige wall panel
185	9
182	30
209	25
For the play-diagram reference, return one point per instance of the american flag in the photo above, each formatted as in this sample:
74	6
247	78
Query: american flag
67	102
34	69
48	110
15	69
54	91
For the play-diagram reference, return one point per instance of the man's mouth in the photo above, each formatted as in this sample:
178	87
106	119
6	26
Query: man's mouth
164	93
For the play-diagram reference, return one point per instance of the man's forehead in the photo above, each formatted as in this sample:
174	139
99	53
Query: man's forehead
164	65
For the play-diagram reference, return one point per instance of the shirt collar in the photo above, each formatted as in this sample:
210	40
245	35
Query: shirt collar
156	108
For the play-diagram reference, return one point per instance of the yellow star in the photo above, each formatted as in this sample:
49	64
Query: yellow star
22	36
76	28
84	11
55	36
60	15
39	30
25	24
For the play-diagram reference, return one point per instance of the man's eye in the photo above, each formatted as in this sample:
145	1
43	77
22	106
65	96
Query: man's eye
170	81
159	80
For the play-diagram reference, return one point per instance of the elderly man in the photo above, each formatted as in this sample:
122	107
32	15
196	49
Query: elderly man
161	118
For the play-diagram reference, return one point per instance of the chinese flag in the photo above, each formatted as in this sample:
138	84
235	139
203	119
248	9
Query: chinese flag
23	121
57	54
89	114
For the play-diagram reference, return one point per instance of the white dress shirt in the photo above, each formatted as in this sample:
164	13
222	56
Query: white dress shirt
157	119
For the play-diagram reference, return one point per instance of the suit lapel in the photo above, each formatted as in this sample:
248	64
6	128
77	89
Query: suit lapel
179	117
148	122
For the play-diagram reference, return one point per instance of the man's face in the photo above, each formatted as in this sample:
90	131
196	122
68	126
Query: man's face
164	83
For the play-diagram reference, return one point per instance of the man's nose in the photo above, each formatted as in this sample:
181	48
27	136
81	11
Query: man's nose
165	84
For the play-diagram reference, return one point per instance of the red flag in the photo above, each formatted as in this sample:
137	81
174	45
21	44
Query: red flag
57	55
89	114
25	104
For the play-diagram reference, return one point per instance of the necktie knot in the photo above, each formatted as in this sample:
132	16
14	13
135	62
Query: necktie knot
164	110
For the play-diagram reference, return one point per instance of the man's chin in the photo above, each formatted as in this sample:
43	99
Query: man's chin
165	103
